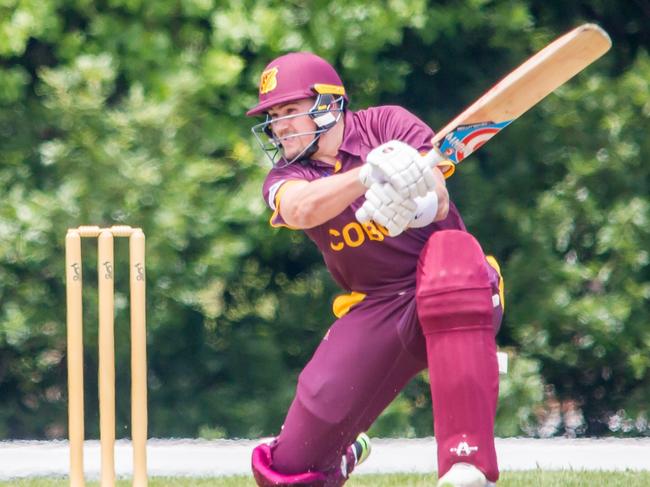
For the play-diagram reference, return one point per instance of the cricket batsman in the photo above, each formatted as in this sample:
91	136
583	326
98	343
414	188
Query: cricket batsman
419	291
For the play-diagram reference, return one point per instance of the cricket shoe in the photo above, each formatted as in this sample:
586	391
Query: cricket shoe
356	454
464	475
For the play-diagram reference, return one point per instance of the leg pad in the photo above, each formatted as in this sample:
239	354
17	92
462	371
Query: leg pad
453	284
454	297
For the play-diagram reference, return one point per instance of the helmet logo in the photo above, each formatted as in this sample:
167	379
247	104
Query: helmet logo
268	80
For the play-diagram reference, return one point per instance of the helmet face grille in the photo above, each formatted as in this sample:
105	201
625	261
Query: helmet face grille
325	112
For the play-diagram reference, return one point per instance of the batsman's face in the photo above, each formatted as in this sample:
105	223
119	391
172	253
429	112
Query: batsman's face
295	132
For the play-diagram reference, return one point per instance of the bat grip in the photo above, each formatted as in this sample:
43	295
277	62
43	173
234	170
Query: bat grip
434	157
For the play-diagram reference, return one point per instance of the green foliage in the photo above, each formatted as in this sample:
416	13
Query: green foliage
585	318
132	112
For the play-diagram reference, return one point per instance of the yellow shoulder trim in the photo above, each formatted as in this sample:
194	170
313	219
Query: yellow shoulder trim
344	302
276	212
495	265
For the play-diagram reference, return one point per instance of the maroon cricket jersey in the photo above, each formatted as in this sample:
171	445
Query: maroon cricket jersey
362	257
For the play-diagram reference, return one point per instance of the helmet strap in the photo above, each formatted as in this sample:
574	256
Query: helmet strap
309	151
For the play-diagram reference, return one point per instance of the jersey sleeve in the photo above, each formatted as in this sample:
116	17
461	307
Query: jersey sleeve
397	123
276	182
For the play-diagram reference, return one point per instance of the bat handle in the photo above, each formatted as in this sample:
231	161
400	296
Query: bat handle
434	157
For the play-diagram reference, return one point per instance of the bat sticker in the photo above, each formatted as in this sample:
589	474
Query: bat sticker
465	139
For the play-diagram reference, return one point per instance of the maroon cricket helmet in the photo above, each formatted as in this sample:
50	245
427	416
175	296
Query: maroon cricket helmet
296	76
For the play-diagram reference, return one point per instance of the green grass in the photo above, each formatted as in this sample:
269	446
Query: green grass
532	478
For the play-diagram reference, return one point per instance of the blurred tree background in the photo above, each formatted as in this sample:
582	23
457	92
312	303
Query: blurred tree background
132	112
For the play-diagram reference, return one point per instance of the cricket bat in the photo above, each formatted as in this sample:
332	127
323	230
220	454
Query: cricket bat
520	90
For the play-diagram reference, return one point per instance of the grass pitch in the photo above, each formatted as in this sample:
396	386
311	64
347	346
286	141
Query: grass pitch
533	478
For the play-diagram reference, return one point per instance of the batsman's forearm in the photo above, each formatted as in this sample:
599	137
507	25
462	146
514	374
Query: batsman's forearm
318	201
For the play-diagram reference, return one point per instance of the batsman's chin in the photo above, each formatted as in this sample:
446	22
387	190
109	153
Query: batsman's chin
291	151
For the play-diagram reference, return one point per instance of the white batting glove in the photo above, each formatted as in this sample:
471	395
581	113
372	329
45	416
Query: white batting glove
426	211
402	166
387	207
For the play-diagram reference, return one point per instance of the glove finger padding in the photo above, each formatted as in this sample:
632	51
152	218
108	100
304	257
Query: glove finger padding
371	212
420	188
380	217
393	229
388	208
402	166
373	197
409	205
363	214
429	180
388	194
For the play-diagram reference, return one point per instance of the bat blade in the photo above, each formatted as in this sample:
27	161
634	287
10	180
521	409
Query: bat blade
520	90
